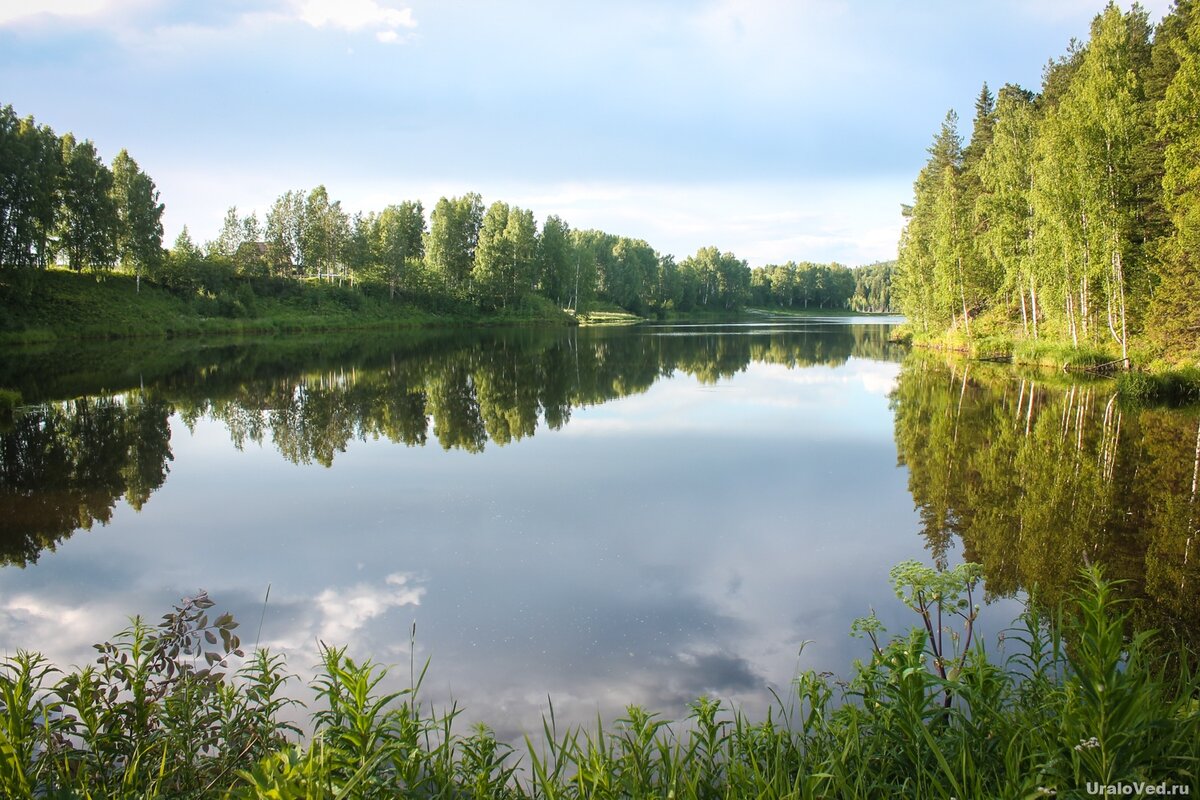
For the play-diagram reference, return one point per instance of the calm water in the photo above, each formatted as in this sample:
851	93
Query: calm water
597	517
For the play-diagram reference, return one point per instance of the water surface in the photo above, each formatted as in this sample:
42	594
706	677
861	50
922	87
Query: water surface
589	517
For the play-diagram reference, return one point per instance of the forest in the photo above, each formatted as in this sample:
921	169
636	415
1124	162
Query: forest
1072	214
61	205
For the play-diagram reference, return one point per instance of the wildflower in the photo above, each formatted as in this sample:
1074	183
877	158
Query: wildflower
1087	744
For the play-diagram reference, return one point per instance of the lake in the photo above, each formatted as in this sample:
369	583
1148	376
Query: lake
584	517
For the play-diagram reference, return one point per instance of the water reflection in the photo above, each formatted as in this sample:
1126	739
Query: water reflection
671	514
1037	475
686	504
64	466
67	463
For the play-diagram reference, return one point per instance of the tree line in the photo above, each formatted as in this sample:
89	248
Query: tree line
60	201
1072	213
495	256
823	286
61	204
491	256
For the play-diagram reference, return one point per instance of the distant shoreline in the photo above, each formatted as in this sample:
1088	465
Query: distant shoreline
67	306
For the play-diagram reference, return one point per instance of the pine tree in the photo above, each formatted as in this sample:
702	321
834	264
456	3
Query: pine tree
1004	207
921	275
1174	316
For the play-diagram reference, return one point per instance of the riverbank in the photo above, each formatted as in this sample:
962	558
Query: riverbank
65	306
1148	380
147	720
70	306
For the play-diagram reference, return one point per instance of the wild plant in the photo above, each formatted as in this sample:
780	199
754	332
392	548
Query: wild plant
1076	700
1120	718
31	723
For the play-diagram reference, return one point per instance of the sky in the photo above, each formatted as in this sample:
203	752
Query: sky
778	130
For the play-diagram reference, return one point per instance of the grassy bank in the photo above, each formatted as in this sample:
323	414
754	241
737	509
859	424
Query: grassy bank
65	306
1147	381
162	715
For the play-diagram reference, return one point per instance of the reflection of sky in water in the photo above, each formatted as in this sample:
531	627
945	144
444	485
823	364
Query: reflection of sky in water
680	541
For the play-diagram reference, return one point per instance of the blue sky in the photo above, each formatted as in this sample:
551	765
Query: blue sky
778	130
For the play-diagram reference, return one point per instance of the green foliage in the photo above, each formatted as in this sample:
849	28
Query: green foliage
57	196
140	232
1066	217
927	263
454	227
711	279
89	220
1175	387
323	237
207	295
394	245
556	263
806	285
146	722
873	288
1174	316
504	258
31	161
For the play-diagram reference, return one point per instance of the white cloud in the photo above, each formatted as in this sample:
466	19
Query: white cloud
880	384
357	15
346	610
59	629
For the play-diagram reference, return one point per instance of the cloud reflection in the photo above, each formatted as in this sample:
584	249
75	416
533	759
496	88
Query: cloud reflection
346	610
688	556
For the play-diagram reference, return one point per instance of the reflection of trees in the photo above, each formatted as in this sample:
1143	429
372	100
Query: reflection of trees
495	389
63	466
1037	479
66	464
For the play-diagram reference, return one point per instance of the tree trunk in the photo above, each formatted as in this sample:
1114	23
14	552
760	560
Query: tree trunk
1071	326
962	293
1033	301
1083	304
1121	298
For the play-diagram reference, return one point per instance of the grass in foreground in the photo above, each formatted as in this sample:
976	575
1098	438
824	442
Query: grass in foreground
159	715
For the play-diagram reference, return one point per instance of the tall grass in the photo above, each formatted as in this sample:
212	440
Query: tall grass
1073	700
1175	387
